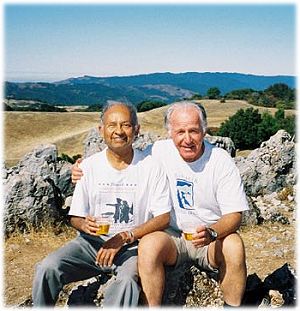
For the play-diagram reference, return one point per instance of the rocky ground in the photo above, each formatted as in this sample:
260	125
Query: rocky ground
269	246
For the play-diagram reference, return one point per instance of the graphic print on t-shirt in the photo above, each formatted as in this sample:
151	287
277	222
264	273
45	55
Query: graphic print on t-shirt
117	201
122	211
185	194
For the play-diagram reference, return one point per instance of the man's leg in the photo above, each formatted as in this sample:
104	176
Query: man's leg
73	262
124	290
228	255
155	250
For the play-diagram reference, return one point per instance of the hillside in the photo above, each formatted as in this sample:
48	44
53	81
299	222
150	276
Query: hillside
25	130
166	87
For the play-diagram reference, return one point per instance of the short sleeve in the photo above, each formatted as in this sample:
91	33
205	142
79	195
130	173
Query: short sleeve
160	200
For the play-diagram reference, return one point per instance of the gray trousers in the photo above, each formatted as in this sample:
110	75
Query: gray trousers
76	261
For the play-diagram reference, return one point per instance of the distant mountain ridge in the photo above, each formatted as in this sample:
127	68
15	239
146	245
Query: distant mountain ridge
166	87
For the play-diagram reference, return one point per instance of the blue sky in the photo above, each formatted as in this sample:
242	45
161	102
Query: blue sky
53	42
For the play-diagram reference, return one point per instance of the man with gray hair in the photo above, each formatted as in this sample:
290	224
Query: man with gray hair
119	183
208	196
207	193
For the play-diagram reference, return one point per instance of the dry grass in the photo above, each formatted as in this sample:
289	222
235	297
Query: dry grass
25	130
21	253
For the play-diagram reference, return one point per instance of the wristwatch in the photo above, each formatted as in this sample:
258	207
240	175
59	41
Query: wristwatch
213	234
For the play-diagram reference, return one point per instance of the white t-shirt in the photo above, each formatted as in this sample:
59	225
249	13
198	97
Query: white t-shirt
206	188
130	196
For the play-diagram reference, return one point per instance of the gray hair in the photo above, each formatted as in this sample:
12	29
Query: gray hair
129	106
186	104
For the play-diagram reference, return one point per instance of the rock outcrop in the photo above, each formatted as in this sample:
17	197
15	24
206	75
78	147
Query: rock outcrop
222	142
35	190
271	167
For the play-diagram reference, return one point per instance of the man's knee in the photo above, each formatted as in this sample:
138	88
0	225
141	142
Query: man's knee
156	247
150	244
228	250
233	244
123	291
47	266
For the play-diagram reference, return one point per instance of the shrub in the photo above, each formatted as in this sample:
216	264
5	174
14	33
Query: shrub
70	159
213	93
242	128
248	129
148	105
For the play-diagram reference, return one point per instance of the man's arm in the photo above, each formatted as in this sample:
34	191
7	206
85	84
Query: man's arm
228	181
157	223
160	210
85	224
226	225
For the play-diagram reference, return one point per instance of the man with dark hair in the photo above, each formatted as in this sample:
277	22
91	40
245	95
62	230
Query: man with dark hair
118	173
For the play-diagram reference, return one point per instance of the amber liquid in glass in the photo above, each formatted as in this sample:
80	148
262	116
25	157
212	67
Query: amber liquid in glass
103	228
188	235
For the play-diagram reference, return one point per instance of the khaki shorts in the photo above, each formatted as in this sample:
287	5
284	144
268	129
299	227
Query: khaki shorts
187	252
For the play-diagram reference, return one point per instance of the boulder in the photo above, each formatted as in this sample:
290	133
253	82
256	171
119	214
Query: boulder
222	142
93	143
271	167
34	190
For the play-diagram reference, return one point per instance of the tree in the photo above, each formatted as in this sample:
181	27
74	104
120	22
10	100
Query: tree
242	94
281	91
213	93
196	97
242	128
289	124
267	127
279	114
248	129
148	105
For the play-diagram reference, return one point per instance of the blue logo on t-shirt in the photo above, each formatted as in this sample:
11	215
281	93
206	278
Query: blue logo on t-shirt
185	194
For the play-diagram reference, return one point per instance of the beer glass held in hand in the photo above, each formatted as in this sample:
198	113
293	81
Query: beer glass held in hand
103	223
188	229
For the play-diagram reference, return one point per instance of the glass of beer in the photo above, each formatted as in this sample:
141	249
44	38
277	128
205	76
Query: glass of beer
189	228
103	223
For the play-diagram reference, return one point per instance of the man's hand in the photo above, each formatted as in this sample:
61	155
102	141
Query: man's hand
110	248
89	225
86	224
76	171
201	237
